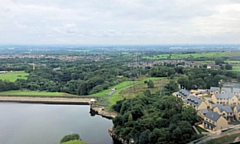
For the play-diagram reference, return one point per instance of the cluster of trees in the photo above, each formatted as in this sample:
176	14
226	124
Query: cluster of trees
155	119
161	71
204	78
7	85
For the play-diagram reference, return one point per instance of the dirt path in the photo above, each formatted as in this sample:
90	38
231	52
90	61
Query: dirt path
106	102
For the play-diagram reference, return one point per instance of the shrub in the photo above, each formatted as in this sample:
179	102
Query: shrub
70	137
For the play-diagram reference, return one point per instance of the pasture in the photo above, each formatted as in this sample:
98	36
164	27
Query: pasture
13	76
193	55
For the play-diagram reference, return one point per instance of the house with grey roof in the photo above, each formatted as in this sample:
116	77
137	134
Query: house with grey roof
216	90
202	112
212	106
225	99
236	91
197	103
183	94
213	121
236	112
225	111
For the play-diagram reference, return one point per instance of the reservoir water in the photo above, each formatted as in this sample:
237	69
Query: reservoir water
47	124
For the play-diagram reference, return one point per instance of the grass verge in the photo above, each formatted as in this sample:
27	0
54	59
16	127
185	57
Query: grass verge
200	130
33	93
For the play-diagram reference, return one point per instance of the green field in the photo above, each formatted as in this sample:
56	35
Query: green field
135	89
194	55
33	93
236	68
13	76
120	87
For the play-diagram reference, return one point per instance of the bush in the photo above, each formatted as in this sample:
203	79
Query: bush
70	137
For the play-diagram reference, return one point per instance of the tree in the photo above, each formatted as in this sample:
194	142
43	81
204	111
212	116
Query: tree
219	61
228	67
150	84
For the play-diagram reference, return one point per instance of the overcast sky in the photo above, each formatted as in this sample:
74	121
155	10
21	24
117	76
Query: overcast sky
119	21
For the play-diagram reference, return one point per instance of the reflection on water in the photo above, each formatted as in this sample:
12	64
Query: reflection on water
47	124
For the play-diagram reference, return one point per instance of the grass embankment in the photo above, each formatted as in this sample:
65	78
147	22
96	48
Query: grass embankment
33	93
13	76
74	142
194	55
223	140
124	89
200	130
134	90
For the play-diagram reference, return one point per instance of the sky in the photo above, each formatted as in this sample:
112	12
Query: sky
119	21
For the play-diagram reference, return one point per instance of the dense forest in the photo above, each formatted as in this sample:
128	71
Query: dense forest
155	119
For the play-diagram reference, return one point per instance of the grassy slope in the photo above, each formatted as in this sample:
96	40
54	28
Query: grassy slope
223	140
122	86
118	86
74	142
200	129
139	87
13	76
33	93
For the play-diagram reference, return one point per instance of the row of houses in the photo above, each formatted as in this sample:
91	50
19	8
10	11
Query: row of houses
222	107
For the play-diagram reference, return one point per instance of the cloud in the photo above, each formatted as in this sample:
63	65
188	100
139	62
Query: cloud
119	21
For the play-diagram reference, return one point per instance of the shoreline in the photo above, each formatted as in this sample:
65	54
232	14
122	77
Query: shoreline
98	109
47	100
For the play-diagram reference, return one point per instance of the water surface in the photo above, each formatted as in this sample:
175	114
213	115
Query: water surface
47	124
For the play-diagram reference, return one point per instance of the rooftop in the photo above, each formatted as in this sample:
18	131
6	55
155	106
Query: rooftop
224	96
225	108
238	108
212	115
194	101
227	90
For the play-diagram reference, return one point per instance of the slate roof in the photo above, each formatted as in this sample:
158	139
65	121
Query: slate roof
225	108
215	105
212	115
227	90
236	90
204	111
184	93
224	96
238	108
194	101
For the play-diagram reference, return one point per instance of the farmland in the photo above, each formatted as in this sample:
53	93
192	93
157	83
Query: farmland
193	55
13	76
